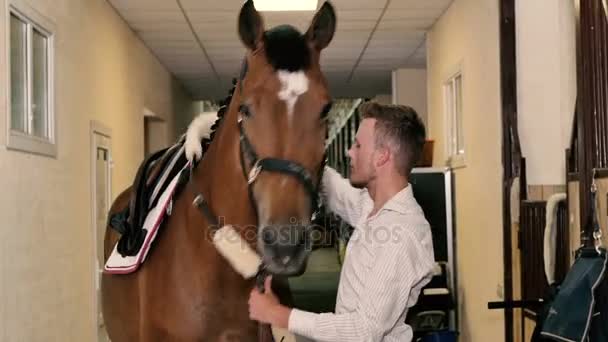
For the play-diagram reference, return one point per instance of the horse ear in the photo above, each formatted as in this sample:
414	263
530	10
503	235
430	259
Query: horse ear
323	26
251	26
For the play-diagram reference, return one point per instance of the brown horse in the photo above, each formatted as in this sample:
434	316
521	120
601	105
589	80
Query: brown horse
273	130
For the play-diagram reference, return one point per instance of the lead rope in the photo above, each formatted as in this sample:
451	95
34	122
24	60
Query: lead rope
201	204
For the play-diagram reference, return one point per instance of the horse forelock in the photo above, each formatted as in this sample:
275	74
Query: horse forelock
288	53
286	49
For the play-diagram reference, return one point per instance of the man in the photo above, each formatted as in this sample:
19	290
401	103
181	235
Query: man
389	257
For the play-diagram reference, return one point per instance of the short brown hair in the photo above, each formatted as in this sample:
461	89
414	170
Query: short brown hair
399	126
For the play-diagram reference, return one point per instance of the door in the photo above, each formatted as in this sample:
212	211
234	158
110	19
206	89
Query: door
101	194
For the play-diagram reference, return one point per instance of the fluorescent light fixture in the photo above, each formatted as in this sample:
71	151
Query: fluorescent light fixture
285	5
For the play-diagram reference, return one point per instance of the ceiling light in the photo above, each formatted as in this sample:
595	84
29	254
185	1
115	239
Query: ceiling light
285	5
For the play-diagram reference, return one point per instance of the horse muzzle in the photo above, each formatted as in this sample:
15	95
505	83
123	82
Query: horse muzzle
285	248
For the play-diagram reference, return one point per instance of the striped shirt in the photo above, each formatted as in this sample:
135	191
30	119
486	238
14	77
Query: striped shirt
389	258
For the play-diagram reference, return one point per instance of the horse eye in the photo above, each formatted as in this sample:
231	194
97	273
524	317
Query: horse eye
326	110
244	109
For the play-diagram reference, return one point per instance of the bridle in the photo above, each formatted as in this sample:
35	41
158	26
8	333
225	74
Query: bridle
252	166
250	161
249	156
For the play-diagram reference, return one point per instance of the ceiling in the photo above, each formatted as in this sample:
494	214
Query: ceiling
197	40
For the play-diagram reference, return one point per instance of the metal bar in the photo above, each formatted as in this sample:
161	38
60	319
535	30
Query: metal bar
510	145
602	75
514	304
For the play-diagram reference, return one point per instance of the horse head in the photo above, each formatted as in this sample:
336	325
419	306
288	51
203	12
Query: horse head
284	101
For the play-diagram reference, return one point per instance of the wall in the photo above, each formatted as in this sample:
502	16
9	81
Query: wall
546	95
410	88
155	135
103	73
546	86
383	98
467	36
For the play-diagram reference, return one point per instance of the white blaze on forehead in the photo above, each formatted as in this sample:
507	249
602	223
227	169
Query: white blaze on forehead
293	84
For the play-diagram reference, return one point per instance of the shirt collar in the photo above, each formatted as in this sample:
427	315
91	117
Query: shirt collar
400	201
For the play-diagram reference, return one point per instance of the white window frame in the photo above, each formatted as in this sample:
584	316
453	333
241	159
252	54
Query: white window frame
455	157
19	140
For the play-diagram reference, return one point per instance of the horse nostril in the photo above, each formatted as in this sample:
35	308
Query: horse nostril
267	236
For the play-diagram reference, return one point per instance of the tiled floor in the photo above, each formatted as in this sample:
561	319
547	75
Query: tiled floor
316	289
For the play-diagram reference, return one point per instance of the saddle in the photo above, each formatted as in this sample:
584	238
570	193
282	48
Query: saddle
152	178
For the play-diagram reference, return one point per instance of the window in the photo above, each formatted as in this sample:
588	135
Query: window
31	120
455	148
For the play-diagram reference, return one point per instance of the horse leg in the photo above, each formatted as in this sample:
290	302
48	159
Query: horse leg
119	292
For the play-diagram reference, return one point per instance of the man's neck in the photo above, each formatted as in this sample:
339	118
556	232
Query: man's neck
383	188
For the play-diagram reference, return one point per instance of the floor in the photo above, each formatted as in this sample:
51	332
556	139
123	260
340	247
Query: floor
316	289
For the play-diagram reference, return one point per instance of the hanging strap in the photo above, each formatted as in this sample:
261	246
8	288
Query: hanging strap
597	231
591	234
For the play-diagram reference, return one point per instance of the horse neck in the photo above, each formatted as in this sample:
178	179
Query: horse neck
221	174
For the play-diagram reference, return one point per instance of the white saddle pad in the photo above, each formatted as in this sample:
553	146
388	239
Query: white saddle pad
116	263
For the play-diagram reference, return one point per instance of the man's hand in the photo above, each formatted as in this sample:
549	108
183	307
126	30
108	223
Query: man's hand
266	308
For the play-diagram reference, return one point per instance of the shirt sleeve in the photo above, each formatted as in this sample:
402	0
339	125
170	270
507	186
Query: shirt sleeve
398	272
342	198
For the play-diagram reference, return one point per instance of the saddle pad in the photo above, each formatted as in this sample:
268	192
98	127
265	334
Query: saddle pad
116	263
165	173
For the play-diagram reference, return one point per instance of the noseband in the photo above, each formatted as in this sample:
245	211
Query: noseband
288	167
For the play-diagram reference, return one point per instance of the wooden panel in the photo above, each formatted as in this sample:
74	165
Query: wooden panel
535	192
543	192
516	274
534	282
562	246
529	325
550	190
602	193
574	227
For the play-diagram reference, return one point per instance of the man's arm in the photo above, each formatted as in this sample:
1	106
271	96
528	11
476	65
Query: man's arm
400	269
341	197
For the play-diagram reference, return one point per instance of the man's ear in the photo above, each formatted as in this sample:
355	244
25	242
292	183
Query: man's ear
383	155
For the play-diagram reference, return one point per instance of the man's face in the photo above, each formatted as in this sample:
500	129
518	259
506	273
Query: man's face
361	154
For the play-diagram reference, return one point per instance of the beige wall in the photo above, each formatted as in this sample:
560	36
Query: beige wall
103	73
467	35
383	98
546	86
410	88
187	110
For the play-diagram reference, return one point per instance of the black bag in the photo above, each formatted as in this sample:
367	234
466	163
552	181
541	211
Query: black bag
579	310
575	314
